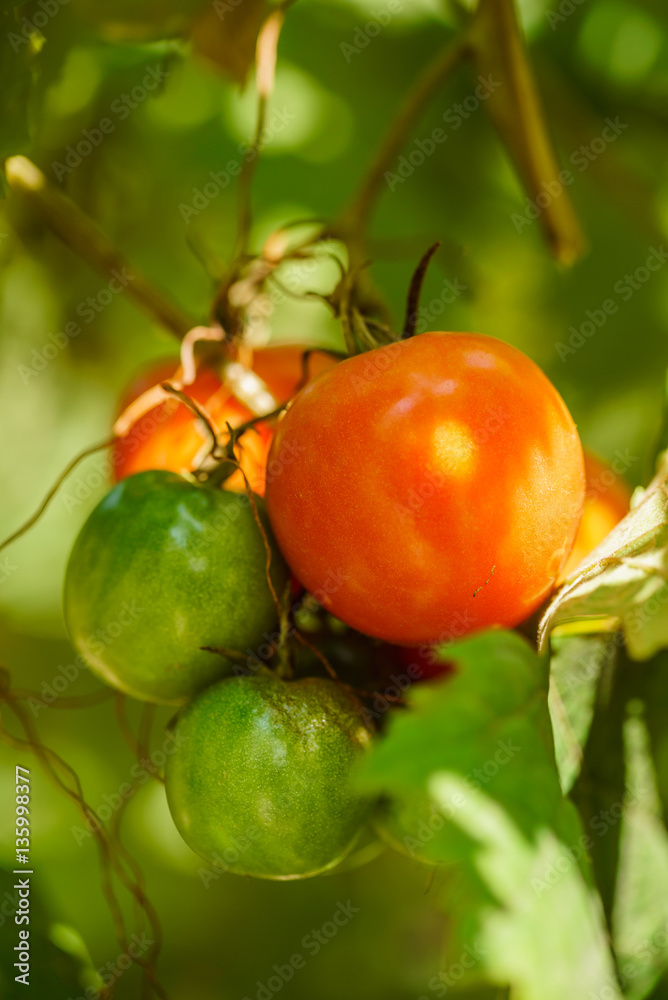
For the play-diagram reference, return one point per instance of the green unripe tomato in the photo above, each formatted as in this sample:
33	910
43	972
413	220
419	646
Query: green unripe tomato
260	780
161	568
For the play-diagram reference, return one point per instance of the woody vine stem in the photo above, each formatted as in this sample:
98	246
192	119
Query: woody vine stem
82	234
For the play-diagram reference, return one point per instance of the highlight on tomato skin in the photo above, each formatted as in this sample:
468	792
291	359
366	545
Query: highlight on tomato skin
170	437
607	501
451	492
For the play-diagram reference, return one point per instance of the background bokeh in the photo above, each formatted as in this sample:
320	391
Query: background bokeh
595	60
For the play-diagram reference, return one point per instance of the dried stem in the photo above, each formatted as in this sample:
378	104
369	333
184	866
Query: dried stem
83	236
265	60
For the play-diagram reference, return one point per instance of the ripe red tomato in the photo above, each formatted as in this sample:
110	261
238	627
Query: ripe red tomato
607	501
169	436
428	488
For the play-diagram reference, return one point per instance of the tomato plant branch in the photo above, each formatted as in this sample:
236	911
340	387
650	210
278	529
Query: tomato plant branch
66	703
516	110
54	489
83	236
356	218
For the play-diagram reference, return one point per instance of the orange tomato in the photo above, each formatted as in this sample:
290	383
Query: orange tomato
170	437
427	488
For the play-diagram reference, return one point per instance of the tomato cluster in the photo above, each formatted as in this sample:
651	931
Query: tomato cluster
414	493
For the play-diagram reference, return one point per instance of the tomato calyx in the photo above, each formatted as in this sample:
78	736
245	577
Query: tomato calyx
222	461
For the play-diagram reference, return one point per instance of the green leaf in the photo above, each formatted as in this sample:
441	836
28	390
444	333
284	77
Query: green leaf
621	810
575	669
624	583
16	80
600	789
481	748
654	687
640	917
660	991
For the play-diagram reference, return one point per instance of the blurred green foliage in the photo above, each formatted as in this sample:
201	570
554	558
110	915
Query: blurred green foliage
595	61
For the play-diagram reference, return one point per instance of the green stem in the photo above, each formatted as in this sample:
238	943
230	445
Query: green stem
357	217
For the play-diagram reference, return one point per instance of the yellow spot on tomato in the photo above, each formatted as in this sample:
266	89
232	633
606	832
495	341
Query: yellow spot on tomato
453	447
